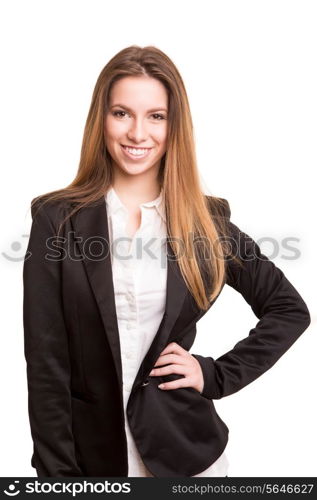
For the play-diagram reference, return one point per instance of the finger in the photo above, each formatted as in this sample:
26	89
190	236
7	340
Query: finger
173	347
175	384
170	358
167	370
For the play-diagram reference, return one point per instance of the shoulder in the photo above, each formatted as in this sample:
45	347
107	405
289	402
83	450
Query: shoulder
49	213
50	207
218	207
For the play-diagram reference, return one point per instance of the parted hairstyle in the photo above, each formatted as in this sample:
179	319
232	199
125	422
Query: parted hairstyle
189	212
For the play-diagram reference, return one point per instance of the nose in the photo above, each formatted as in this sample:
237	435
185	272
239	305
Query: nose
137	131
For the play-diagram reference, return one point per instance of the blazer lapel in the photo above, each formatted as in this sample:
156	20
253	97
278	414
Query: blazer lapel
90	225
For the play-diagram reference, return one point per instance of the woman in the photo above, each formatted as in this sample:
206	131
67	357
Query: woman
116	277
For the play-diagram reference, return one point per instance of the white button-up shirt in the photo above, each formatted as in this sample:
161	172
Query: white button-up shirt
139	269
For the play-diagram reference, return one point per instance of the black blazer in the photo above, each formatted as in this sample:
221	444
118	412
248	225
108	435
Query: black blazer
72	351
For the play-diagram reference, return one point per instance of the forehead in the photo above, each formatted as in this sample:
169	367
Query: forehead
138	91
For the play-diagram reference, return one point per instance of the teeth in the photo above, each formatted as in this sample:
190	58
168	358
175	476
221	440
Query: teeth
136	152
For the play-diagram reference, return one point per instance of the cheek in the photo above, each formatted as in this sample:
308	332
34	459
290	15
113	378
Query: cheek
161	138
113	129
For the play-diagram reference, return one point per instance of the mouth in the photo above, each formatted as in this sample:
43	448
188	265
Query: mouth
135	153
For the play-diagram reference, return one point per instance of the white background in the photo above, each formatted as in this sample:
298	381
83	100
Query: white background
250	72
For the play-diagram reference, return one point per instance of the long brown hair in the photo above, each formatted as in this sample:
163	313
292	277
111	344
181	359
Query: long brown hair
189	211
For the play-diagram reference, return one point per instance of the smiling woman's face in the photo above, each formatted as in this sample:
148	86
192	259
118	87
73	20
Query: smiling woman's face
136	124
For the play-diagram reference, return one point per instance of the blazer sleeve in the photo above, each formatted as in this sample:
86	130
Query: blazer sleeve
47	357
283	317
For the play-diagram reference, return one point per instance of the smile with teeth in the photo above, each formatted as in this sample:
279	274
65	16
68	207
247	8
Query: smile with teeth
136	152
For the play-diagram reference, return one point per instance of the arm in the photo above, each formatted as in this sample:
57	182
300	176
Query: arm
47	357
283	317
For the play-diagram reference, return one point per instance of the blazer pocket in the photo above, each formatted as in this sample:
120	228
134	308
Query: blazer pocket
81	397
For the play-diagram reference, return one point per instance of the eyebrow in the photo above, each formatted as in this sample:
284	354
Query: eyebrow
149	110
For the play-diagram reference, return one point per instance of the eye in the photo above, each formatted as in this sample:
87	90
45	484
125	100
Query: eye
161	117
115	113
120	114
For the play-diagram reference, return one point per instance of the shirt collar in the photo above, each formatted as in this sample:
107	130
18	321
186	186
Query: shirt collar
114	203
